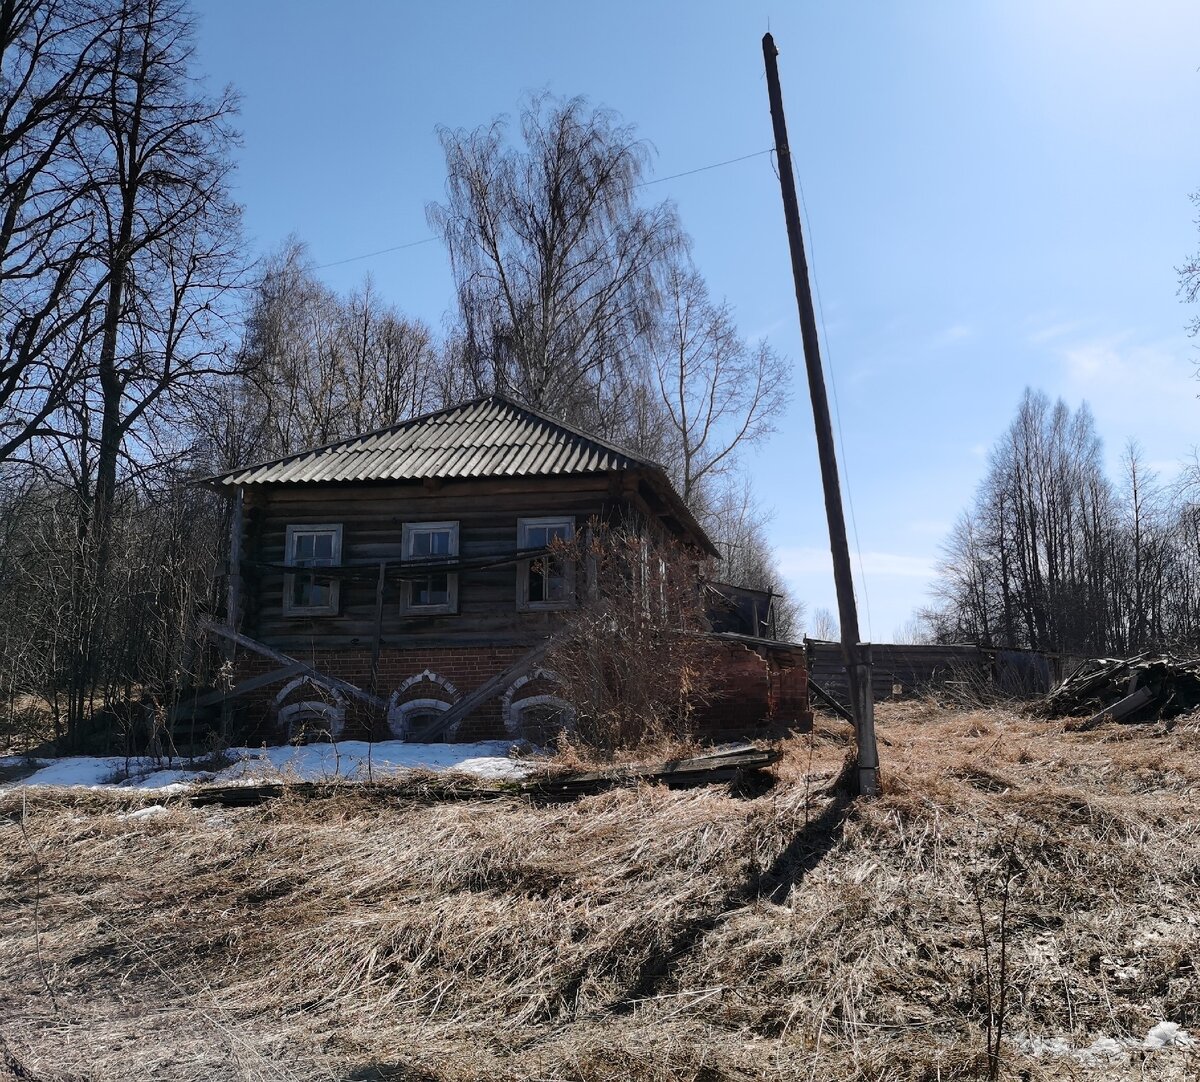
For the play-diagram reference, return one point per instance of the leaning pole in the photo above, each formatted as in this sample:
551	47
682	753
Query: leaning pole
856	654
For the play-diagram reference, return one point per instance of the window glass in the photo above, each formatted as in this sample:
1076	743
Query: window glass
311	549
547	577
435	541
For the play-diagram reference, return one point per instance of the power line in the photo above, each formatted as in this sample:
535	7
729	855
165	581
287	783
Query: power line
705	168
644	184
371	255
837	410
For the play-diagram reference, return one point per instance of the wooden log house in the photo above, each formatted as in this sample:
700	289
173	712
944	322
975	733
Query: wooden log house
402	582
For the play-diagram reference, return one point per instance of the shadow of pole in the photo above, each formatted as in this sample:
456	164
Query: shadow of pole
809	846
801	855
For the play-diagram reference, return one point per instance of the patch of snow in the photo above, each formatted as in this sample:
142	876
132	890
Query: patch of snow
1168	1035
351	760
7	761
356	760
1045	1046
90	770
1163	1035
144	813
1106	1047
168	780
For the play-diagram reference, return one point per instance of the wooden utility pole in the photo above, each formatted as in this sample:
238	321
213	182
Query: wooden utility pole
857	654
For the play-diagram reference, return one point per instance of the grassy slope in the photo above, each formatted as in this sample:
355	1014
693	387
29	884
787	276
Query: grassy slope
649	934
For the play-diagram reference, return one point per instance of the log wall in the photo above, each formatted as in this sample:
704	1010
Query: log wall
372	518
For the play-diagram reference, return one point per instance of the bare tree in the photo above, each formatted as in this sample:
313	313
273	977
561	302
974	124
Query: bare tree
719	393
315	367
52	58
169	231
558	266
735	520
823	626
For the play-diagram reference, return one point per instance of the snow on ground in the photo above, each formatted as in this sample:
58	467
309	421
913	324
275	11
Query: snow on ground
353	760
1163	1035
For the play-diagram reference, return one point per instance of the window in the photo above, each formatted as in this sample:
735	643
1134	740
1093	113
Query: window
308	593
545	581
433	542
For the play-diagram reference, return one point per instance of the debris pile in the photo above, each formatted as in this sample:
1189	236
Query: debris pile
1149	686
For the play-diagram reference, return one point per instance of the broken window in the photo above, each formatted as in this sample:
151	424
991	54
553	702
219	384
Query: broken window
547	580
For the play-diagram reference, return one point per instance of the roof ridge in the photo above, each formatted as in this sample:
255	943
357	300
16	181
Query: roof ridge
575	430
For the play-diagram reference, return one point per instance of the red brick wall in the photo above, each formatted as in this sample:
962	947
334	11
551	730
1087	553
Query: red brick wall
466	667
760	692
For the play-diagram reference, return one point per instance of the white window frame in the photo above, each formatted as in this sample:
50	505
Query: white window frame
290	608
523	602
411	530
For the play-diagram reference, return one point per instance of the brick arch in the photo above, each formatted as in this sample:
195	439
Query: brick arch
407	700
513	702
331	706
433	678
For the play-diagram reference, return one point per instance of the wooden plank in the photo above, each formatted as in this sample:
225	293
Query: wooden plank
720	766
233	601
246	687
284	659
1122	708
829	700
486	691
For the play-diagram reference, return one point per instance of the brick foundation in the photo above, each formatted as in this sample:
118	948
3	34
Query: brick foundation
761	692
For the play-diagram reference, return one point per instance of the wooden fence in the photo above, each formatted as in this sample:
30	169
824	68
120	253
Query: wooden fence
901	669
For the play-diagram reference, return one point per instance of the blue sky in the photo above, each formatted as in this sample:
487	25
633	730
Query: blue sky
997	194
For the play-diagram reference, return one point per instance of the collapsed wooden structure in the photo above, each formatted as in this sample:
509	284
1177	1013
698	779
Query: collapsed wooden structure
718	767
1148	686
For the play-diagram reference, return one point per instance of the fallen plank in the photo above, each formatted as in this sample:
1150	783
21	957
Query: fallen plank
829	701
680	774
720	766
1122	708
285	659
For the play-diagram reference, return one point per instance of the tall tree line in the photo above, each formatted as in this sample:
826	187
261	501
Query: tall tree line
119	265
1053	555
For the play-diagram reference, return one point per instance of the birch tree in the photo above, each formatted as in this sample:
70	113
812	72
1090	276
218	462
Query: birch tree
558	264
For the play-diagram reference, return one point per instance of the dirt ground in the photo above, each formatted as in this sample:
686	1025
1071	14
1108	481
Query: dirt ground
763	932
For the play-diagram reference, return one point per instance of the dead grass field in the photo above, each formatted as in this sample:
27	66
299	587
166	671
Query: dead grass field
700	935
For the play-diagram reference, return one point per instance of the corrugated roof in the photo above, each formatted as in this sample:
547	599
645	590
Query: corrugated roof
486	437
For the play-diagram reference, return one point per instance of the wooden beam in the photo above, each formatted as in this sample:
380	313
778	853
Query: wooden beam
1122	708
284	659
254	683
829	700
486	691
233	601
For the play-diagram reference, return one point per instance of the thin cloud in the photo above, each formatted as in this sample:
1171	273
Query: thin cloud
1052	332
1144	390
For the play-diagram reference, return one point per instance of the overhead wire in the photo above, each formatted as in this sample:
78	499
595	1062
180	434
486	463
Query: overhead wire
643	184
837	410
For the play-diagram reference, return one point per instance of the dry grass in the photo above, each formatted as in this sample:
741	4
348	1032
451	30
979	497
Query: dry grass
639	934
